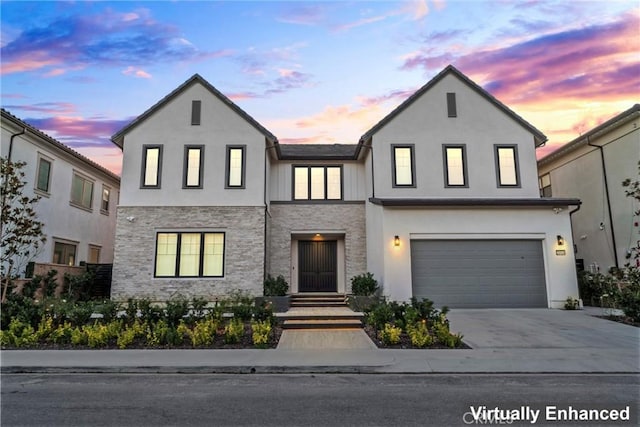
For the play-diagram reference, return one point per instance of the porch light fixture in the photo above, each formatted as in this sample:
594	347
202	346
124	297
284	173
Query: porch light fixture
396	240
560	240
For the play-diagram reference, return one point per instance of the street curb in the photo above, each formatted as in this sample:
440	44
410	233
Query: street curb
266	370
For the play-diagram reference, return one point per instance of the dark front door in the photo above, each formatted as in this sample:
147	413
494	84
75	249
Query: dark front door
317	266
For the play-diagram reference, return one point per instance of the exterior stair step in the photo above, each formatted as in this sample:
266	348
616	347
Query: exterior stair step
322	324
317	304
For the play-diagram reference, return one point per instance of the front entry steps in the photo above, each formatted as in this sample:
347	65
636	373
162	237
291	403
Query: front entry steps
320	311
318	300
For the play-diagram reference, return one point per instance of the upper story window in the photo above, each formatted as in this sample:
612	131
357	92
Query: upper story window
196	107
193	161
44	175
545	185
507	166
151	166
455	166
64	253
94	254
106	197
81	191
452	110
235	166
317	183
190	254
403	166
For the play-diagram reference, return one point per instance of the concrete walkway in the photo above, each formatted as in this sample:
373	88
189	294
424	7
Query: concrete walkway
503	341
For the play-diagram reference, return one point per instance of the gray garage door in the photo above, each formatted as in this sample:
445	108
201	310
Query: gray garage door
479	273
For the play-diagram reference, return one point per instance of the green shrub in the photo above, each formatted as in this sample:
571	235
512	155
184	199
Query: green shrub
263	313
149	312
45	328
592	286
571	303
419	335
98	335
204	332
78	336
109	310
629	301
364	285
20	334
234	331
390	334
176	309
62	334
79	313
379	314
260	333
78	287
130	333
198	310
275	287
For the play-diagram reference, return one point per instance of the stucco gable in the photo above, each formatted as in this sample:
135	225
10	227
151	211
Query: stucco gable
118	137
539	137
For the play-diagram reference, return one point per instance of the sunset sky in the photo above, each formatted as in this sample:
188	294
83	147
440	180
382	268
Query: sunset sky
313	72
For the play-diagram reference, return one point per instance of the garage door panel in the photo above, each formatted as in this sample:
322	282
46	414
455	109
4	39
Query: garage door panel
479	273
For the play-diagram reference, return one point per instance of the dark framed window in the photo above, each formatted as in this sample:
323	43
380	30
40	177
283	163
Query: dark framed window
193	163
455	165
196	108
81	191
106	197
235	169
404	168
317	182
64	253
151	166
545	185
189	254
507	172
44	175
94	254
452	110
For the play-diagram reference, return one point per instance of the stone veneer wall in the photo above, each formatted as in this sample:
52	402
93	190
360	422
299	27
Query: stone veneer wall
347	218
135	246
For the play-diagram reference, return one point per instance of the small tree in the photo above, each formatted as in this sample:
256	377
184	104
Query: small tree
21	234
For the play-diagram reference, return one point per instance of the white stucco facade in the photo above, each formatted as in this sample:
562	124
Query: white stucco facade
89	228
283	231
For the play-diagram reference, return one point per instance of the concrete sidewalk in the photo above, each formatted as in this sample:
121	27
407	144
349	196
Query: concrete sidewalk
503	341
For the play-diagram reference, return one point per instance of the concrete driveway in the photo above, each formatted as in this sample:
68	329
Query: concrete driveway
551	335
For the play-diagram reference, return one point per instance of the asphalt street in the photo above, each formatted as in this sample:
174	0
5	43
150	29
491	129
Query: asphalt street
305	399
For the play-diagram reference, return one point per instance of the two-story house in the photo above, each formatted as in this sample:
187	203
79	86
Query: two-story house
438	200
592	167
78	197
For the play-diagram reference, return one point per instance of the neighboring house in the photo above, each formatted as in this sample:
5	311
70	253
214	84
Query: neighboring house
592	168
78	197
438	200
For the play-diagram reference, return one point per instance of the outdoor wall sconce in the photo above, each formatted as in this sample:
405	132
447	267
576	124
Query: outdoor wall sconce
560	240
396	240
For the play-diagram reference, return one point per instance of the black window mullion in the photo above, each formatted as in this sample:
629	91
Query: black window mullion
326	183
201	260
309	196
178	251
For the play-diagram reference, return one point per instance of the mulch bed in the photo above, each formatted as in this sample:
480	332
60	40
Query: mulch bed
621	319
405	342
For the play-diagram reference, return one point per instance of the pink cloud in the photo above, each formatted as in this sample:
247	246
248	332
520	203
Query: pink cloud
136	72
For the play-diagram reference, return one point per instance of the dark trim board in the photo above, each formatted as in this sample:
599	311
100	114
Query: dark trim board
471	202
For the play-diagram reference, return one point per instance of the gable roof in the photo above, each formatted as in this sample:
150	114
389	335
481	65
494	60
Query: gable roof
118	137
539	137
317	151
6	115
582	140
